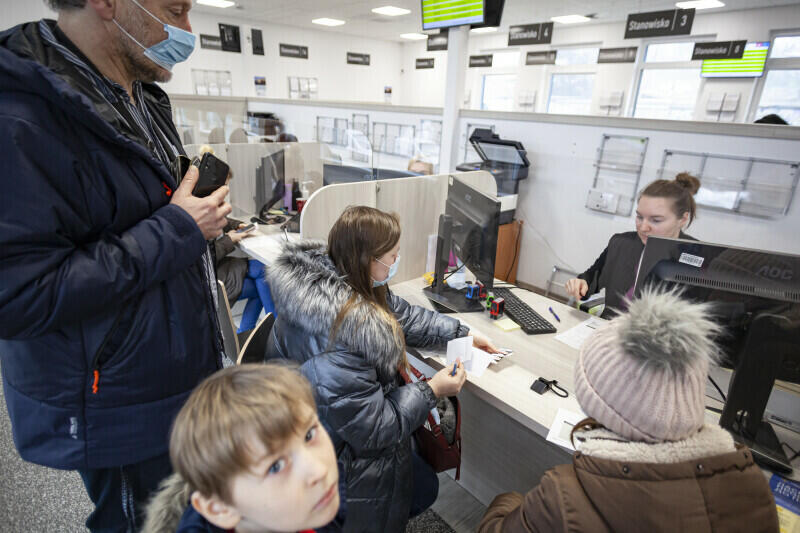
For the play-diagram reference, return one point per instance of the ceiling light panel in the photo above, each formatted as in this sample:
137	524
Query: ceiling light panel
699	4
391	11
328	22
485	29
413	36
570	19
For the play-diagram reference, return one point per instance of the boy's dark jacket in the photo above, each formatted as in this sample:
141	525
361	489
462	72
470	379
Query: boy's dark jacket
169	512
91	255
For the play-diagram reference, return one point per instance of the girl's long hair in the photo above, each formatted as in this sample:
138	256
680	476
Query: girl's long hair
360	235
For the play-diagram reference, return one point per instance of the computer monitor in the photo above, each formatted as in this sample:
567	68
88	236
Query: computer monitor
438	14
270	182
348	174
756	298
469	229
492	13
344	174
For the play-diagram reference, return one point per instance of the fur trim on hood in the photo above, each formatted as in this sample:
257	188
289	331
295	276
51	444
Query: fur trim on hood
601	443
165	509
308	291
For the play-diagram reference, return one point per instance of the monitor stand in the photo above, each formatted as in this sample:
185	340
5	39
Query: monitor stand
766	345
449	300
446	299
766	448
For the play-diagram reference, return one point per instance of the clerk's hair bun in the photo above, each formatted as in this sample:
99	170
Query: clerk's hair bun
687	181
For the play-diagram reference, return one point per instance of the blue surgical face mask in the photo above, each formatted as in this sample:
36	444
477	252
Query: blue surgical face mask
392	272
177	47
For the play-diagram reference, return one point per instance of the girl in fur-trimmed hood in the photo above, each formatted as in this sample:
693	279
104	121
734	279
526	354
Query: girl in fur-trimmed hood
646	460
337	318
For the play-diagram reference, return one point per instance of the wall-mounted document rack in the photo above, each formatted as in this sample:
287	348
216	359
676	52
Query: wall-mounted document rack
749	186
332	130
617	171
393	139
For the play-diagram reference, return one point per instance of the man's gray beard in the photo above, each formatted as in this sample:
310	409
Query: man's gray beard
140	67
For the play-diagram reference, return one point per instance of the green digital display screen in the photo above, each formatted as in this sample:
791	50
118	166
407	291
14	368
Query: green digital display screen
751	65
446	13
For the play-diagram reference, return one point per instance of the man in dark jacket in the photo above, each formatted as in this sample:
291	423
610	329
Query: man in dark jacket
107	317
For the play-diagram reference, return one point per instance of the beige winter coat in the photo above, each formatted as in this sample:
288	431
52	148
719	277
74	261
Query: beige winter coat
701	484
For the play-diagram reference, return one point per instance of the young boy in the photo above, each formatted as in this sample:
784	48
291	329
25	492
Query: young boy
251	456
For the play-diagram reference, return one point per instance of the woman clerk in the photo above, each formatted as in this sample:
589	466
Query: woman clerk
664	209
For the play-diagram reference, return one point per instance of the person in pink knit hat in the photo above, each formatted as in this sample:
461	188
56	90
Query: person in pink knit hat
646	459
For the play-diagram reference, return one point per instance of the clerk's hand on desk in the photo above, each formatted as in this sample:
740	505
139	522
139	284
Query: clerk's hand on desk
479	340
236	237
577	288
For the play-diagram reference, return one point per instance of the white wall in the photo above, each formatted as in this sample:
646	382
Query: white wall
560	230
13	13
327	57
426	87
326	61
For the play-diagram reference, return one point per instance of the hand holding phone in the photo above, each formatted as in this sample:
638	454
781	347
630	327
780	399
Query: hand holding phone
208	213
213	175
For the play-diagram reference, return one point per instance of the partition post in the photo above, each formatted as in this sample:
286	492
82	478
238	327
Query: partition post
453	96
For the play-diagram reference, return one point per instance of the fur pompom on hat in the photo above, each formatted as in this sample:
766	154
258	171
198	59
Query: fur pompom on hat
644	375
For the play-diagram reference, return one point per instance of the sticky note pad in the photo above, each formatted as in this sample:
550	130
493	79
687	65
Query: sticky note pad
506	324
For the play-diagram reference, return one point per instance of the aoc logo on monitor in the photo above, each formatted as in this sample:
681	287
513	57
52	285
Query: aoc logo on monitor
775	272
468	198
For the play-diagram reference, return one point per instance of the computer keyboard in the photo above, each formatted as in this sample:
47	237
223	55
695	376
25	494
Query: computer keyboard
529	320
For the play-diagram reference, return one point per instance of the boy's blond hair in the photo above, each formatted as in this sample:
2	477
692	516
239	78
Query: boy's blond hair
212	436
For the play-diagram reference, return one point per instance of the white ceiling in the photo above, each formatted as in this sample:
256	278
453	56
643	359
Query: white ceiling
362	22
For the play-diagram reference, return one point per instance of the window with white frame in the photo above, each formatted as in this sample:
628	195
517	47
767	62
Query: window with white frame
669	83
571	94
667	93
497	93
785	46
508	59
669	52
780	93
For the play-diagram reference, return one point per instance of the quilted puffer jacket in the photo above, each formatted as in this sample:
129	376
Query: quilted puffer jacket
368	411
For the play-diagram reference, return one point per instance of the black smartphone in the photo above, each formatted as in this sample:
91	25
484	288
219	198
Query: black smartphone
181	167
246	228
213	175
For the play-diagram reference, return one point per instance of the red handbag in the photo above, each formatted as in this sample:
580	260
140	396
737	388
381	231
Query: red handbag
433	444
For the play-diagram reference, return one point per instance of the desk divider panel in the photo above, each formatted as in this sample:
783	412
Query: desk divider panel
418	218
302	162
328	203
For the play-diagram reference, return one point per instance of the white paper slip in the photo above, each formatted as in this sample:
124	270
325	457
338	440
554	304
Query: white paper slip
576	336
474	359
562	425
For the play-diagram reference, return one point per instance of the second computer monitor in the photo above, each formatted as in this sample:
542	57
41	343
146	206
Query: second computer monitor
755	298
476	219
270	182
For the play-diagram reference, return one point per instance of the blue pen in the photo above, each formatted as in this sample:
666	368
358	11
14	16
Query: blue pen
455	366
554	314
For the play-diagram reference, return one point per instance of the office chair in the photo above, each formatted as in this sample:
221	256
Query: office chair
238	136
226	325
217	136
256	344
